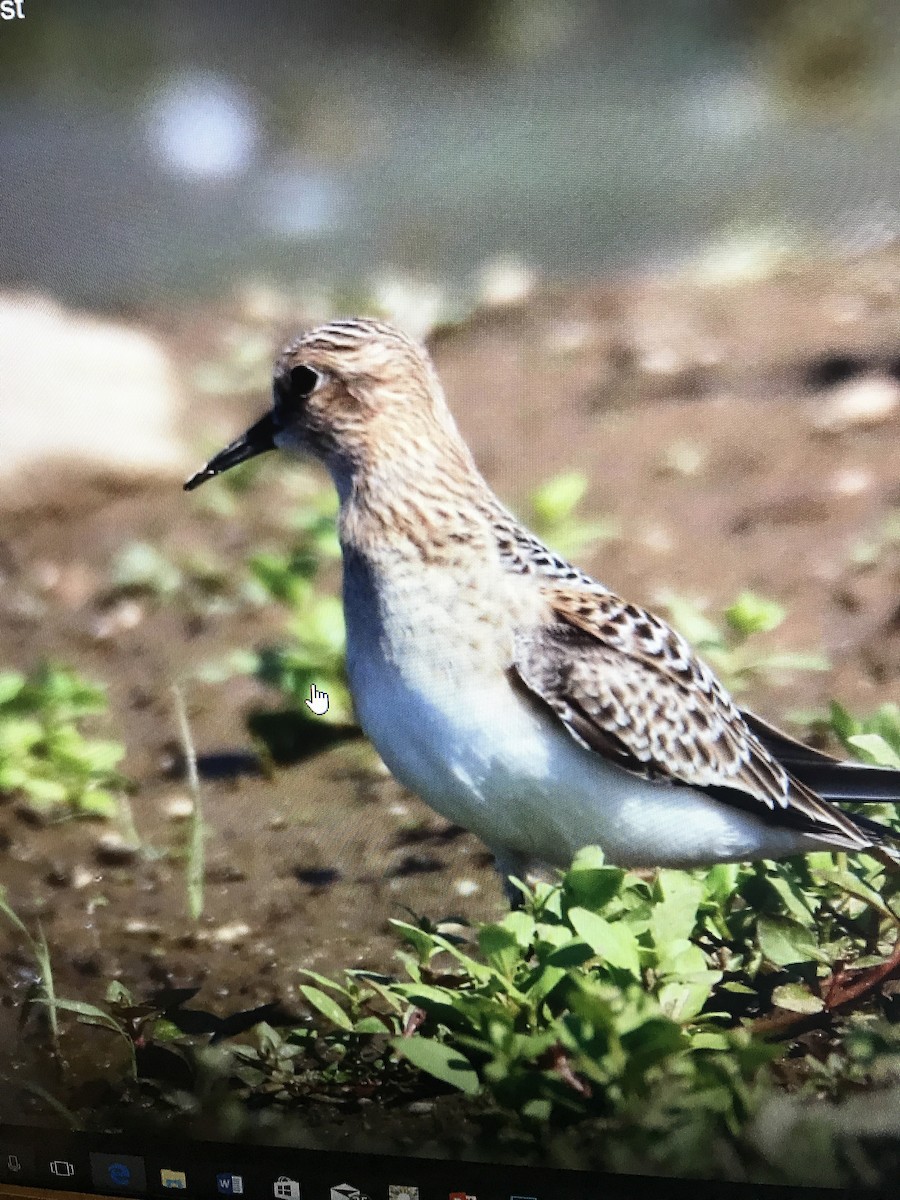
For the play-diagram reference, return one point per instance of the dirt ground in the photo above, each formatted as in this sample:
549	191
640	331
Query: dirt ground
767	381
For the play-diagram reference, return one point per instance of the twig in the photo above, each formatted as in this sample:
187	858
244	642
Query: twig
196	856
842	990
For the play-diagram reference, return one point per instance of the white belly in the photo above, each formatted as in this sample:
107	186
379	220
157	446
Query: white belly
488	759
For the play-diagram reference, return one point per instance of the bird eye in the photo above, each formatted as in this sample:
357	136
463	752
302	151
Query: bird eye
303	381
293	387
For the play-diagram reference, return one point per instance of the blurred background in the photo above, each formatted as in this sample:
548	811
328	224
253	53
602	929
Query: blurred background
152	149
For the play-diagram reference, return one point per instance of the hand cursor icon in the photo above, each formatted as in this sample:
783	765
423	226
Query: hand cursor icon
318	701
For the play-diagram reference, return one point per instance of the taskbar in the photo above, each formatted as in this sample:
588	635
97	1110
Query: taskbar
109	1166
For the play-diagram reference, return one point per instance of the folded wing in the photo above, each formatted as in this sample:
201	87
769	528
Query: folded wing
628	687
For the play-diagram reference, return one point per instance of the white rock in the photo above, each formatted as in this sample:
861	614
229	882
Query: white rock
851	481
858	404
505	282
78	389
236	931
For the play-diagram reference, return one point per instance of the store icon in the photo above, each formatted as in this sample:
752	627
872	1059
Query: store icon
286	1189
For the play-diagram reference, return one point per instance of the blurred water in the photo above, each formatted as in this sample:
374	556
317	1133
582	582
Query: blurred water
307	153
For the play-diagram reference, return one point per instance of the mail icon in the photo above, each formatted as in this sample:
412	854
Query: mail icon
346	1191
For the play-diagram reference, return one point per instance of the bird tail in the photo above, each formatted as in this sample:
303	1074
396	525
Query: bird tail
847	782
839	782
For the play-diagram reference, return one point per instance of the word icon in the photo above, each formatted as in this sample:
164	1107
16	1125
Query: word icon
229	1185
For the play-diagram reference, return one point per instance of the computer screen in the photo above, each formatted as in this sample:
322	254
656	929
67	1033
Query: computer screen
449	629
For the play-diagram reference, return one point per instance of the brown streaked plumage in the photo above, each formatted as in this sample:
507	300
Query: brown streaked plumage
515	693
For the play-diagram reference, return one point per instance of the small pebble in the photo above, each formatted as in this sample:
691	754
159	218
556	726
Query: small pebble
859	404
233	932
178	808
140	928
112	849
122	617
466	887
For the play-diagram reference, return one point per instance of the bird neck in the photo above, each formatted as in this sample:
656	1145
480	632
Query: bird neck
415	497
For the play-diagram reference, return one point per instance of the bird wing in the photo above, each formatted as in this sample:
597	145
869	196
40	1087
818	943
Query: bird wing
630	688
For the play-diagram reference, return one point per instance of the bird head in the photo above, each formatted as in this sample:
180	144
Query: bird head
339	390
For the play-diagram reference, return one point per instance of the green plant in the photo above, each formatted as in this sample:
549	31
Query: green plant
731	647
554	508
198	582
609	991
43	990
44	756
315	652
870	551
874	739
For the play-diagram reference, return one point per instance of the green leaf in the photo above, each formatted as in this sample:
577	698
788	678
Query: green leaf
843	724
875	750
423	943
613	942
558	498
370	1025
797	998
548	977
687	617
674	915
439	1060
849	883
500	947
141	567
751	613
11	684
784	941
326	1006
522	926
98	803
324	981
590	883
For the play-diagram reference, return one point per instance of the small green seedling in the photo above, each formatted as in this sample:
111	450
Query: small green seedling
731	647
45	758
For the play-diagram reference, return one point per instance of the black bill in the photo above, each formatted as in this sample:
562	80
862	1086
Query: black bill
257	440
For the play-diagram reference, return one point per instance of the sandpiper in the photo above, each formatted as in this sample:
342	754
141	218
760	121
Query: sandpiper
515	694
